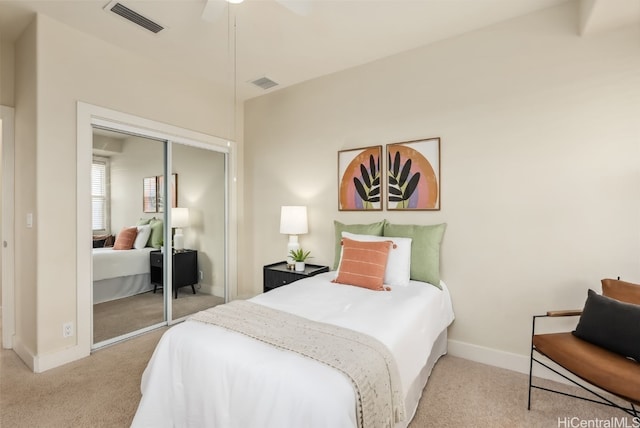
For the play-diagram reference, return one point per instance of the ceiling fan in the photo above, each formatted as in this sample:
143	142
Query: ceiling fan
213	9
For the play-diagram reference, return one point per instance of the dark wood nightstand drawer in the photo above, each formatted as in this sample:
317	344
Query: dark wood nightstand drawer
155	259
277	279
276	275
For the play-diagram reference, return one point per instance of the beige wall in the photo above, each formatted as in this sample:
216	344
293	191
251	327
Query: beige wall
540	163
67	66
140	157
7	73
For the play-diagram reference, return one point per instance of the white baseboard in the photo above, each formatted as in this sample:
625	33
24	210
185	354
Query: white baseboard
41	363
215	290
492	357
24	353
55	359
497	358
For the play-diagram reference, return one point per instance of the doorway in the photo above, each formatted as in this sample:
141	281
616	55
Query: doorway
7	145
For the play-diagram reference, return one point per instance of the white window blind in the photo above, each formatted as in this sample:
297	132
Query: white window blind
99	196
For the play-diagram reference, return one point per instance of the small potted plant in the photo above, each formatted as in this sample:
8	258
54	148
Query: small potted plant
299	256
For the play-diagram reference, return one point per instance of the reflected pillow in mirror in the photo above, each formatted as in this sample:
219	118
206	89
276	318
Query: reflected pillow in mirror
144	232
126	238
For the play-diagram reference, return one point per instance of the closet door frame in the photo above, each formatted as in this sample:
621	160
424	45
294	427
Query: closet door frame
90	116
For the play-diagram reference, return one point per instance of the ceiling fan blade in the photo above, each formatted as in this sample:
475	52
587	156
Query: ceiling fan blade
213	9
299	7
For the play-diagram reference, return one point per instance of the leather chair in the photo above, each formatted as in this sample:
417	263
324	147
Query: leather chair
593	364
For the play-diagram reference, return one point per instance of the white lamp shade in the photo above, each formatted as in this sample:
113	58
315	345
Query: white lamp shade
179	217
293	220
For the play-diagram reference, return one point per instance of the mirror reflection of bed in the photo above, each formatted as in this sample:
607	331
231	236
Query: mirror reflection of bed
128	225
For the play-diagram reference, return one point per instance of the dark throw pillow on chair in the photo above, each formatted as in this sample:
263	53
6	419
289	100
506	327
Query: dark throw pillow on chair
611	324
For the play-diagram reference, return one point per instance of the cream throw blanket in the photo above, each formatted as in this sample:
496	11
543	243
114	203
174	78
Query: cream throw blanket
366	362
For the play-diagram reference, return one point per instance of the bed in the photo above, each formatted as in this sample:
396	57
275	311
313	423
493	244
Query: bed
353	347
205	375
120	273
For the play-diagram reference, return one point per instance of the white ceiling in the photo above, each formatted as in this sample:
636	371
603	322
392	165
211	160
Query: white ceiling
271	40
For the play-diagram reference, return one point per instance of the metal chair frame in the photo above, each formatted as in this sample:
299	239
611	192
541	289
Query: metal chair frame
602	399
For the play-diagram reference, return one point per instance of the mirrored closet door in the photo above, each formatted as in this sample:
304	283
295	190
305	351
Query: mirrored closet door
159	237
127	232
160	191
198	229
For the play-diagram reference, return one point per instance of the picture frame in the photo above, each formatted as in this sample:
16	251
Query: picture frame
413	175
173	192
152	195
360	179
149	195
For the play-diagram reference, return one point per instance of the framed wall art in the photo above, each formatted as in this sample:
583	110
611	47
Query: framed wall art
152	197
413	175
360	179
149	195
173	192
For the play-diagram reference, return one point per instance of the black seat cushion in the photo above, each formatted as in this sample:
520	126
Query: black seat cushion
612	324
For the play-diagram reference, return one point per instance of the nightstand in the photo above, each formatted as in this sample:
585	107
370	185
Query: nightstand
277	274
185	270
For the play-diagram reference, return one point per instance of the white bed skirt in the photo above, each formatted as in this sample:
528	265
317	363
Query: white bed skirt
415	391
109	289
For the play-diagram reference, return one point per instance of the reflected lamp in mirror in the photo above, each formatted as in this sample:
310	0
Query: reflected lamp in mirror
293	222
179	220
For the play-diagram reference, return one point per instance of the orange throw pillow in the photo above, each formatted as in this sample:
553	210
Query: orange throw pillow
363	263
126	238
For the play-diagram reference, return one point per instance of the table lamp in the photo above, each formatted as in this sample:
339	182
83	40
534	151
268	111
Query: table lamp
179	220
293	222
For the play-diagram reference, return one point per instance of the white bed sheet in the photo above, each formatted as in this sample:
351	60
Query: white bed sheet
203	375
110	263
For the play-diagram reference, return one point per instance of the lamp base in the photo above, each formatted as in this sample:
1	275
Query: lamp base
178	240
292	245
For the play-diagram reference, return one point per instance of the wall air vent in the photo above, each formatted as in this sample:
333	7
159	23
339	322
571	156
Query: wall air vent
264	83
130	15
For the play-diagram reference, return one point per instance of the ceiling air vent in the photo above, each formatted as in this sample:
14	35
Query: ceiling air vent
264	83
135	17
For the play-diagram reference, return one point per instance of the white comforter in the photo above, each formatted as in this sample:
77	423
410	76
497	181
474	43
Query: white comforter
201	375
110	263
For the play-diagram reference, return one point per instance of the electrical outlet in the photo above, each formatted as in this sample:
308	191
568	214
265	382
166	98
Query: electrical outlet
67	329
201	275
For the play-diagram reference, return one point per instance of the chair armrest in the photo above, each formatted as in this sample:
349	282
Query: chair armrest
565	313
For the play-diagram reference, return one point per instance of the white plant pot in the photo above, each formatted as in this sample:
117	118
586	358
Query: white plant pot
299	266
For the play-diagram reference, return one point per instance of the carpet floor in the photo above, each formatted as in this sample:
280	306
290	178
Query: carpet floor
122	316
103	390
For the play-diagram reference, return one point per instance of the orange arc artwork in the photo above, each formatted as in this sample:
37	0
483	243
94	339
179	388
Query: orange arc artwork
425	195
349	197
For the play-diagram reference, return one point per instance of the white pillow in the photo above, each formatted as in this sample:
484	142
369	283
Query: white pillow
399	262
144	232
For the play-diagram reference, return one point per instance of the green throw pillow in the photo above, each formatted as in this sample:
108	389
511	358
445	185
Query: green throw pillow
157	234
144	221
374	229
425	249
